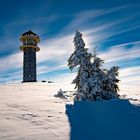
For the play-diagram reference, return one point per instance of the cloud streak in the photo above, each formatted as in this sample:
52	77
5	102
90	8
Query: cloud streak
119	52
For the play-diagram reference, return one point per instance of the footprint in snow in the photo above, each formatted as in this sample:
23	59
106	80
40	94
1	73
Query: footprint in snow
50	116
38	123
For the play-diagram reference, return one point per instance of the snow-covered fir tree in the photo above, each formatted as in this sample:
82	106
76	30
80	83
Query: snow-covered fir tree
93	83
82	59
111	83
96	80
103	82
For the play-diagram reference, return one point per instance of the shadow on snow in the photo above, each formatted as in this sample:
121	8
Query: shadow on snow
107	120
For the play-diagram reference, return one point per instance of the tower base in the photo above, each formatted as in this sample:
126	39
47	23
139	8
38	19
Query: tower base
28	81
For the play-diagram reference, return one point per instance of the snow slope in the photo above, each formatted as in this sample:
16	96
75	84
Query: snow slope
31	112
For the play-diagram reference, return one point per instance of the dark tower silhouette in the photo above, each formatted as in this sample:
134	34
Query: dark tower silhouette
29	49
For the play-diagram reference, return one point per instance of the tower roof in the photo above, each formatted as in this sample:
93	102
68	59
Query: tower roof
30	33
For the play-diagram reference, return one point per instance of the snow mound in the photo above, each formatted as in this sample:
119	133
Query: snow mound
65	94
60	94
106	120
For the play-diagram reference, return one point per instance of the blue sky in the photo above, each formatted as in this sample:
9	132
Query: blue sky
112	25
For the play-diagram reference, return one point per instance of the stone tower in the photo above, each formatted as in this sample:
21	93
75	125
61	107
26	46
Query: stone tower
29	48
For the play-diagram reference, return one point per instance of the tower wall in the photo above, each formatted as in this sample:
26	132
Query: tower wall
29	66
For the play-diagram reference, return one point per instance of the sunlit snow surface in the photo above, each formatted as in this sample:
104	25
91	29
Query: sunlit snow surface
31	112
131	92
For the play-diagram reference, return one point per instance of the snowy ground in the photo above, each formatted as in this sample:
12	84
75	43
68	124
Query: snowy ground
131	92
31	112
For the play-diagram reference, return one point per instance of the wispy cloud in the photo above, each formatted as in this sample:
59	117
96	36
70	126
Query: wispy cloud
12	61
120	52
57	48
130	71
45	70
83	18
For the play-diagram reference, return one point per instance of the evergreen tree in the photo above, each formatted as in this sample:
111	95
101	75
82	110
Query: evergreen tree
112	81
81	58
95	82
103	82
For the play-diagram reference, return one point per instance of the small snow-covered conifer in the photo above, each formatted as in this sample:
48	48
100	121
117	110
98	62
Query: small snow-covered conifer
95	82
111	84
